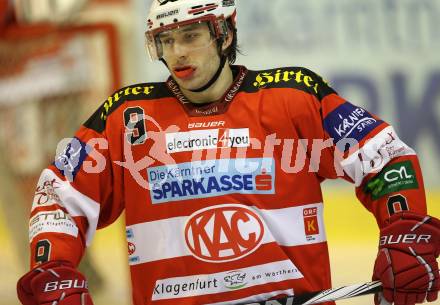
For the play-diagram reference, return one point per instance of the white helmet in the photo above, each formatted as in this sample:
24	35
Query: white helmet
166	15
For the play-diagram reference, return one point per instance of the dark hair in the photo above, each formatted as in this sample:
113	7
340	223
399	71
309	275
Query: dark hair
233	49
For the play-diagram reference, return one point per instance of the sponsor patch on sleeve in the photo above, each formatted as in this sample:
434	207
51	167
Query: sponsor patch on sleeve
375	154
70	160
392	178
56	221
46	193
349	121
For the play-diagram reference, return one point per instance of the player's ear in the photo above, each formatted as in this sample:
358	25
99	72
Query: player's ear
228	41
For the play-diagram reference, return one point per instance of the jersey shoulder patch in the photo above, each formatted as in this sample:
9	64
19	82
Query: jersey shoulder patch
288	77
144	91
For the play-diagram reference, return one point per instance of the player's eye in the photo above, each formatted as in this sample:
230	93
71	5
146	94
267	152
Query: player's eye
191	36
167	41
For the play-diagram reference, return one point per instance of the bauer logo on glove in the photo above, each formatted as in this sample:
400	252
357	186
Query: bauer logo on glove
406	264
404	239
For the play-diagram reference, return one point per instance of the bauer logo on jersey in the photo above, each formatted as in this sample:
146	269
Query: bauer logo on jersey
207	139
210	178
311	226
70	160
349	121
223	233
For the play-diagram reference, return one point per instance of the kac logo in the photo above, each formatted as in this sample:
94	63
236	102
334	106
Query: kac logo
223	233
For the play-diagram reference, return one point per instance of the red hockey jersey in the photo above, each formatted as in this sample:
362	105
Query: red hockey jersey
222	201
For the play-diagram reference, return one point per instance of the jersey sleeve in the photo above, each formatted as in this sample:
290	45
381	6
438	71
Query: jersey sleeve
78	193
359	147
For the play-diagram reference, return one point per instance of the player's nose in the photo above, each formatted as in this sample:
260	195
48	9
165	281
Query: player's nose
180	50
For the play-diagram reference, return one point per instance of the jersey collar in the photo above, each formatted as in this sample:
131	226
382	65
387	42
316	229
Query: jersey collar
214	108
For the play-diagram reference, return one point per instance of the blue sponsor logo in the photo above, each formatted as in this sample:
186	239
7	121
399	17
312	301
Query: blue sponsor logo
129	233
349	121
134	259
210	178
70	160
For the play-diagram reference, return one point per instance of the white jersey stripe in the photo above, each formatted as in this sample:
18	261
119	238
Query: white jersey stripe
215	283
375	154
158	240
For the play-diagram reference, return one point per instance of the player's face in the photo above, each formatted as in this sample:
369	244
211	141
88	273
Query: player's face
191	55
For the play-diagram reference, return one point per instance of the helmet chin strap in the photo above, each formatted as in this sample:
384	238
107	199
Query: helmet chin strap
214	78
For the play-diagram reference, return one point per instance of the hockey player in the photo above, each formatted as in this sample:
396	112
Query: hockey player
218	170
